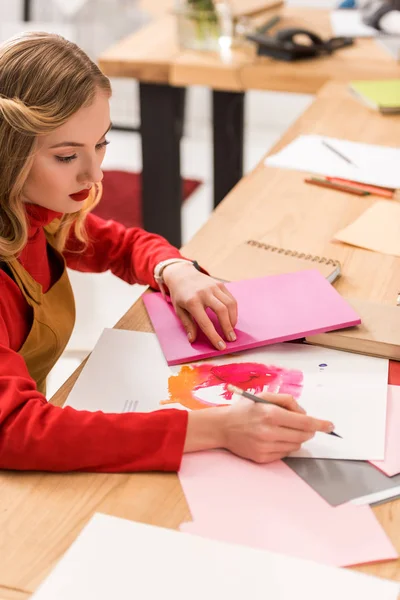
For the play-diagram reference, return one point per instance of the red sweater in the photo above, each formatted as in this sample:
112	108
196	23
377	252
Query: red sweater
36	435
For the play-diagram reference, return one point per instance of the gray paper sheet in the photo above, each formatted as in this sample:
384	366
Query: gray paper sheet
339	481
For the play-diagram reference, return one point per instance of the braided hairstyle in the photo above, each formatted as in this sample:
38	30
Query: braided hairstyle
44	80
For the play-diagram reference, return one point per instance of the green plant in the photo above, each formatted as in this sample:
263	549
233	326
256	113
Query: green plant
205	17
202	5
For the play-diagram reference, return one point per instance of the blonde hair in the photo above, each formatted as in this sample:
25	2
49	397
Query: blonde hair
44	80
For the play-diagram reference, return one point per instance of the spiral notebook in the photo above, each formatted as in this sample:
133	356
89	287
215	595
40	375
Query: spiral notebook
255	259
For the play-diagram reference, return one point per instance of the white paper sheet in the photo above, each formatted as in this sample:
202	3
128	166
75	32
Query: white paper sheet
351	391
375	165
348	23
127	372
116	558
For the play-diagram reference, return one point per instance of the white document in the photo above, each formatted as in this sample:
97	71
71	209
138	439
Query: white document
374	165
348	389
118	559
127	372
348	23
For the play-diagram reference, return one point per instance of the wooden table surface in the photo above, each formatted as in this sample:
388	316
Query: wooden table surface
41	514
13	594
152	55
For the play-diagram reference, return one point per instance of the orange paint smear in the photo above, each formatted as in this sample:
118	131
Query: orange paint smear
252	377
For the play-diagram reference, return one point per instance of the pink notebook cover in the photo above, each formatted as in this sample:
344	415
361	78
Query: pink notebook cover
272	309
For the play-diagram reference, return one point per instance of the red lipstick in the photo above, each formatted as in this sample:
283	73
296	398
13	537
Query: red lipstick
80	196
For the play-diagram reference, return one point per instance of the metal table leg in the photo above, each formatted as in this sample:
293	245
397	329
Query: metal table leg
162	108
228	137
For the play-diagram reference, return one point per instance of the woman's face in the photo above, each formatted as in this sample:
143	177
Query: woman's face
69	159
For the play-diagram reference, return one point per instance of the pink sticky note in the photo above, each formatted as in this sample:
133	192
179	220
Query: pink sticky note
272	309
270	507
391	465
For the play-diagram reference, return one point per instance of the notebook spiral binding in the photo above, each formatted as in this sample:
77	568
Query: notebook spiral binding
303	255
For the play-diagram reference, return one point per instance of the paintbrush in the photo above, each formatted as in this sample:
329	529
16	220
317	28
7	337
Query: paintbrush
240	392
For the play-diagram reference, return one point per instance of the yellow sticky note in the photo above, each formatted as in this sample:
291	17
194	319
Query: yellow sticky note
377	229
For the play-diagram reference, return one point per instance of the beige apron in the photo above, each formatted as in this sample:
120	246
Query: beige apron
53	317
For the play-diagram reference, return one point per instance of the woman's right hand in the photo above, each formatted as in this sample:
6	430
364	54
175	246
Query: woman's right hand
264	433
259	432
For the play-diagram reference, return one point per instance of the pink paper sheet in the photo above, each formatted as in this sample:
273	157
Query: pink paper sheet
391	465
270	507
272	309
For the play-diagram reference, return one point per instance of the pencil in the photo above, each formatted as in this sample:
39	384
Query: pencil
236	390
342	156
337	186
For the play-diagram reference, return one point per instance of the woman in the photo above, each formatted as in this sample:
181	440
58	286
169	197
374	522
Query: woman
54	117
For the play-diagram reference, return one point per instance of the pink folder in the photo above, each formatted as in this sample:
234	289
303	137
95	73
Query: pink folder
272	309
391	465
270	507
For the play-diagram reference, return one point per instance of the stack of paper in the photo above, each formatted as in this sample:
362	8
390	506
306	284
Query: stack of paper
115	558
120	376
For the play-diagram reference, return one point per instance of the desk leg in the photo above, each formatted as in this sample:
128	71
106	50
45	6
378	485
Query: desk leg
228	138
27	10
162	108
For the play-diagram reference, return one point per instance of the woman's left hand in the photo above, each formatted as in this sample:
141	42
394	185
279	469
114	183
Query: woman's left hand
191	293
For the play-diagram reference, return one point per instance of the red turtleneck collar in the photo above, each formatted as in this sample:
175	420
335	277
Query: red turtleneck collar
34	256
39	216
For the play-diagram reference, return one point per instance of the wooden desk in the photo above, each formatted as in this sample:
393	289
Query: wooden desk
153	57
41	514
13	594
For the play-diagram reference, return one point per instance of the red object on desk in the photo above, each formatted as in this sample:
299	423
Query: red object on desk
372	189
394	373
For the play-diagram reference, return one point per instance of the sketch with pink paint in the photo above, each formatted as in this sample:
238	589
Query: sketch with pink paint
350	390
203	385
328	384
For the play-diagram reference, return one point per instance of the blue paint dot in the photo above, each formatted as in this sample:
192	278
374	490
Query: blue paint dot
322	365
